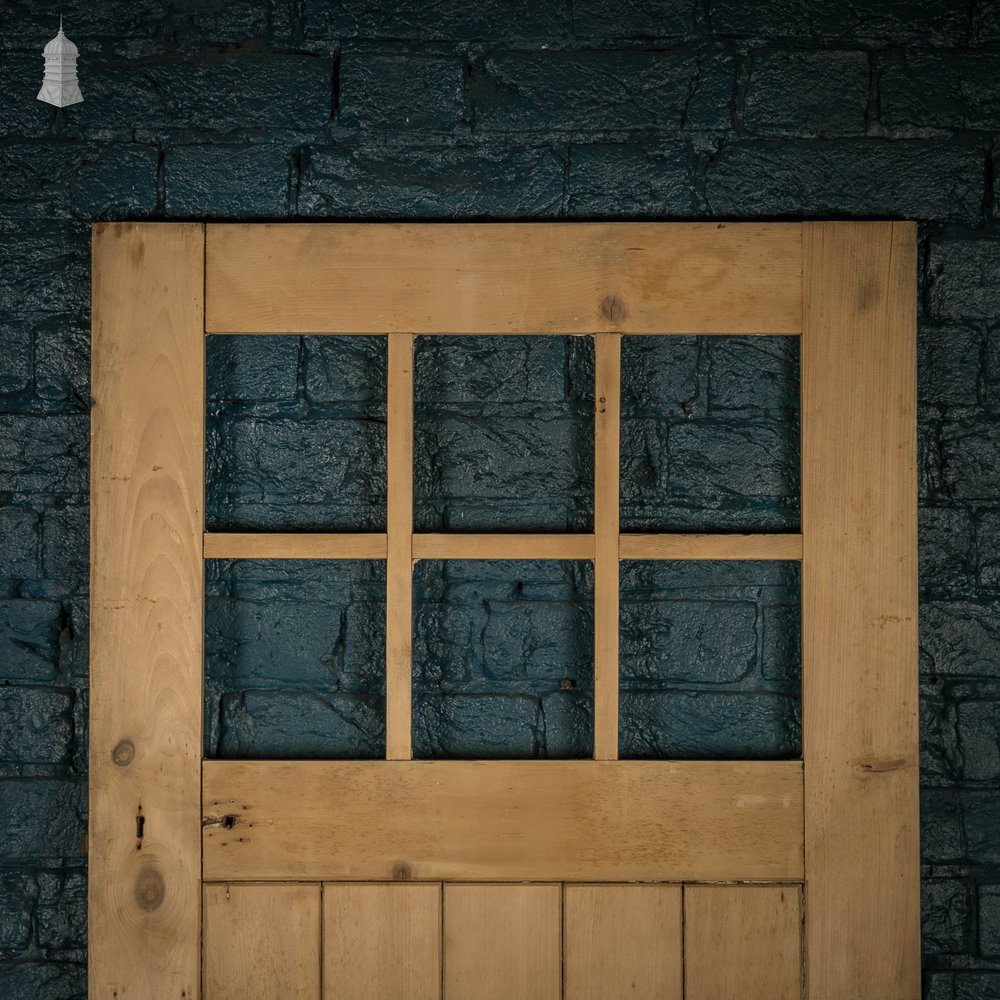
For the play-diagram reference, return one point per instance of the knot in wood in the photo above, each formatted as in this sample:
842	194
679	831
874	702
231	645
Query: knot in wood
123	753
613	309
149	889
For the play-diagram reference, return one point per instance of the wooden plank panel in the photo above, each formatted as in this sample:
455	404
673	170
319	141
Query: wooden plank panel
502	941
146	586
859	596
505	278
607	437
622	941
449	546
743	942
382	940
610	820
665	546
399	563
262	942
231	545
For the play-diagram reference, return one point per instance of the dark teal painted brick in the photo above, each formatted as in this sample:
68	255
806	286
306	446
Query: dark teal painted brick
621	180
806	93
578	91
949	364
946	917
960	638
992	387
946	549
379	181
970	457
29	639
61	912
62	360
924	22
43	981
754	375
477	726
343	370
246	181
988	548
401	93
921	90
633	19
45	818
978	732
18	893
962	279
942	836
19	530
254	369
43	270
867	177
36	725
44	456
16	374
65	545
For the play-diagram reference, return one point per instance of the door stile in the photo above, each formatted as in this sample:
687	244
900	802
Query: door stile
147	593
859	611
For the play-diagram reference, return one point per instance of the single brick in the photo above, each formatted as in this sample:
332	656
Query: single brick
988	547
946	913
44	455
970	457
45	818
43	980
66	544
18	892
62	359
36	725
664	377
580	91
976	986
949	365
754	374
16	335
478	726
401	93
279	725
62	910
946	548
980	822
19	531
29	639
807	93
781	643
940	760
921	89
50	272
373	181
962	279
960	638
865	177
941	834
252	369
632	19
979	741
344	369
618	180
244	181
567	725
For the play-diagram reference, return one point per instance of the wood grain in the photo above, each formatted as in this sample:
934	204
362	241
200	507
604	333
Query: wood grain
859	593
265	545
399	563
449	546
146	587
607	438
622	941
666	546
743	942
262	942
505	278
501	942
503	820
381	940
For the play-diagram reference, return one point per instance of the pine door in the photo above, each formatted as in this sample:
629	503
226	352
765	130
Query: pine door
474	880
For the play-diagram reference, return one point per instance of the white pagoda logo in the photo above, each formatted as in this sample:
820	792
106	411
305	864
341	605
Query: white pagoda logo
59	87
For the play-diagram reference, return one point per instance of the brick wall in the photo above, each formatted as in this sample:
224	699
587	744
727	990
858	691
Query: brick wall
676	109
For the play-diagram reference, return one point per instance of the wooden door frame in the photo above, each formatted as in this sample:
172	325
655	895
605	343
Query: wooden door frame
844	820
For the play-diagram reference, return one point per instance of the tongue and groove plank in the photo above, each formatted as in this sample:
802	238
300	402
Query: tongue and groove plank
502	820
859	611
146	586
543	278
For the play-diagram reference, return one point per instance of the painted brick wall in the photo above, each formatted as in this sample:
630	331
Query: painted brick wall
676	109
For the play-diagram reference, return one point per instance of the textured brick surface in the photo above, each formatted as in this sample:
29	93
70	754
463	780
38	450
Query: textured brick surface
381	109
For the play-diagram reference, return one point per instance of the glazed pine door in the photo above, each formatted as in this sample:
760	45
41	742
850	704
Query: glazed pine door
472	880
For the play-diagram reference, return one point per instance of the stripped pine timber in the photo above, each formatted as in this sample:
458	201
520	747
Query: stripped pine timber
262	942
505	278
382	940
859	604
299	546
622	941
146	587
399	551
743	942
503	546
501	942
607	438
503	820
710	547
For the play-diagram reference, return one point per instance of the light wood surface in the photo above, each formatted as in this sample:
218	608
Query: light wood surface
663	546
382	940
503	820
859	594
501	942
399	563
622	941
607	438
447	546
262	942
743	942
300	546
505	278
146	588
